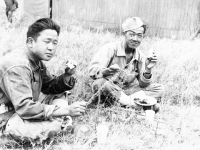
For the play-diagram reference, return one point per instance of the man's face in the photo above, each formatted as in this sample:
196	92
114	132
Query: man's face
133	38
44	47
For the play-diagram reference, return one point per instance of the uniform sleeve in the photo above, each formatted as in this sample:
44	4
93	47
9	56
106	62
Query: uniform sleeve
16	84
143	82
55	85
100	61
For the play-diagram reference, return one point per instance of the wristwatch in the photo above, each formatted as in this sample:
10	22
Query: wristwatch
147	73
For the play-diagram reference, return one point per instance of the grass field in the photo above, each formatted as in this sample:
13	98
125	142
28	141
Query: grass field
176	126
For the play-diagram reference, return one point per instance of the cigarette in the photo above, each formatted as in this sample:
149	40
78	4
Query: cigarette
149	58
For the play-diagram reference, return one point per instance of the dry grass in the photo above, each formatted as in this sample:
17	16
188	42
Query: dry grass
176	127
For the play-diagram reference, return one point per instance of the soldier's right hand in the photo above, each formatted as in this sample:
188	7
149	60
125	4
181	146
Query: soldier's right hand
111	70
77	108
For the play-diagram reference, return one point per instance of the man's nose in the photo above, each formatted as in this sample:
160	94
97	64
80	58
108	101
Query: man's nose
50	46
135	38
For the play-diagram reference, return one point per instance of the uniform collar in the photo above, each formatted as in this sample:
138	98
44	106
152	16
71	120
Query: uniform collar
35	64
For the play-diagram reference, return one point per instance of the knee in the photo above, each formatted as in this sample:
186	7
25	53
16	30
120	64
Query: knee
159	88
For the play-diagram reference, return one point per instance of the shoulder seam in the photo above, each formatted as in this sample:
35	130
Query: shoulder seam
26	66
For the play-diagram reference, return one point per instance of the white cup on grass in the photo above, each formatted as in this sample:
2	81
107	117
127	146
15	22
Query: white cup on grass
149	116
102	133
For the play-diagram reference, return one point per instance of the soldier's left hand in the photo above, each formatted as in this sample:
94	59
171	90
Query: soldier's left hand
151	60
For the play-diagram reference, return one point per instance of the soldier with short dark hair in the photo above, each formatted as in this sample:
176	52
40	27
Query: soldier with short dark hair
36	100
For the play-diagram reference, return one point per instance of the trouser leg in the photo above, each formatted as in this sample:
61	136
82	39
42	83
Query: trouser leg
112	92
33	130
107	91
155	90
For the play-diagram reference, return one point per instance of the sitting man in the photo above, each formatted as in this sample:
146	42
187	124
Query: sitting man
116	66
35	99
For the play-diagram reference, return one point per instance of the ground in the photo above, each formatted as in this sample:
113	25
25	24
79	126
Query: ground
176	126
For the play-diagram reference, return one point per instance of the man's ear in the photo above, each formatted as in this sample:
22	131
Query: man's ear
123	33
30	42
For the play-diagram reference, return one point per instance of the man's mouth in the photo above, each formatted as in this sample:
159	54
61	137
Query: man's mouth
134	43
49	54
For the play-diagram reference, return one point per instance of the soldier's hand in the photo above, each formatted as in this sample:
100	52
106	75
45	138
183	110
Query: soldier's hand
77	108
70	67
111	70
151	59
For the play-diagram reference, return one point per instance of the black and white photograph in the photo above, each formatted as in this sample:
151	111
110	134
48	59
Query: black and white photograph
99	74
